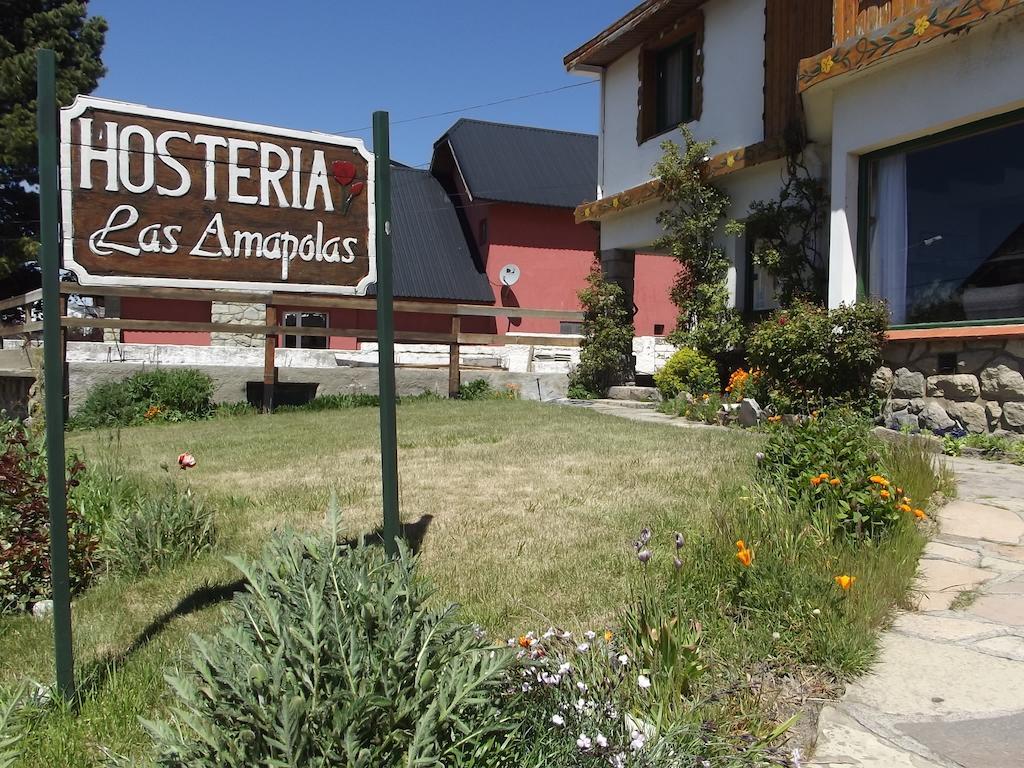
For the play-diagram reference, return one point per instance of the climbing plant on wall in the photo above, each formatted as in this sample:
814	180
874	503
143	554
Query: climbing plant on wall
692	222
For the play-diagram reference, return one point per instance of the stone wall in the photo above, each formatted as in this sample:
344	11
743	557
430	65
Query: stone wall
237	312
984	393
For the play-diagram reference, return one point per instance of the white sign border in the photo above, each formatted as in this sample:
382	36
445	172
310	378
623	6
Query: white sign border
82	103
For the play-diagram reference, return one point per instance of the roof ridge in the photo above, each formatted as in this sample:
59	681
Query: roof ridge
520	127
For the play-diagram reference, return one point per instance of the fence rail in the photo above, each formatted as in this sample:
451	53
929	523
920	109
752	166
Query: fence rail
275	302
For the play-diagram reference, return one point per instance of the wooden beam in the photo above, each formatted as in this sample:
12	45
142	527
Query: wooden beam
17	330
269	362
22	299
185	294
454	375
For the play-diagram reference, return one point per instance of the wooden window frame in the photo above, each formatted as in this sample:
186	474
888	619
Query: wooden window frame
690	25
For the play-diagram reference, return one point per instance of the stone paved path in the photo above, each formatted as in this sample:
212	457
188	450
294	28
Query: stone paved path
948	690
949	686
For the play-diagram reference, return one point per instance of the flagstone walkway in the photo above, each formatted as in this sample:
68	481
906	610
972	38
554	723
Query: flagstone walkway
948	689
949	686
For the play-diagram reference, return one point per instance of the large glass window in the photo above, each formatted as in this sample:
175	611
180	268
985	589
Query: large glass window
946	228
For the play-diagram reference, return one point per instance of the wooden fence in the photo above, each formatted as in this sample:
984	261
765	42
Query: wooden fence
272	328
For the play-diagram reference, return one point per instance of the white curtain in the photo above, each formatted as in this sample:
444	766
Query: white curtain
889	238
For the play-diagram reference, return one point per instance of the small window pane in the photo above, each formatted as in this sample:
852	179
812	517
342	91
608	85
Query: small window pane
674	72
570	328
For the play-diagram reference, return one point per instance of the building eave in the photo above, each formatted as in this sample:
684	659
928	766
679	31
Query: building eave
718	166
626	33
923	27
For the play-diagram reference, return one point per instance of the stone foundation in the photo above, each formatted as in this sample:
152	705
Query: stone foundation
938	386
237	312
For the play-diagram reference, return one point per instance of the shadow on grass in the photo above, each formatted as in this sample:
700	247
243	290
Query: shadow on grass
95	674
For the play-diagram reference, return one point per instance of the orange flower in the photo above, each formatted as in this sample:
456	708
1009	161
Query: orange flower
905	508
774	419
823	475
744	553
834	482
919	514
524	641
608	635
884	494
899	490
878	480
845	582
815	481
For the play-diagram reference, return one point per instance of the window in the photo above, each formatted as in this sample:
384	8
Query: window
574	329
670	77
945	227
659	329
674	77
305	320
762	292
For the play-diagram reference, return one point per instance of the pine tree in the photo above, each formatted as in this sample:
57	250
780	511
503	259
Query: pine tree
25	26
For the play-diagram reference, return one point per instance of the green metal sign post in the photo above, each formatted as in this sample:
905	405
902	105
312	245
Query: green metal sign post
53	368
386	331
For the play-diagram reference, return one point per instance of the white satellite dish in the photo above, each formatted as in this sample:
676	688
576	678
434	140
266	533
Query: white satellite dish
509	275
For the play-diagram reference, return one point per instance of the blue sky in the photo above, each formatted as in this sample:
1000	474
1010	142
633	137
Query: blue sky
320	65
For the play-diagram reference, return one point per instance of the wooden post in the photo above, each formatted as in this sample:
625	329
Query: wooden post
269	362
454	376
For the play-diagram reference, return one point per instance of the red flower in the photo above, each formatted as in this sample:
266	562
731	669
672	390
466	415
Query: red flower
186	460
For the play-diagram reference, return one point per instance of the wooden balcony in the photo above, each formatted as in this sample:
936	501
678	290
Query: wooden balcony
854	18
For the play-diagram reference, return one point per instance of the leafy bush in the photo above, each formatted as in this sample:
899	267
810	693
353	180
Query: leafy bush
833	465
156	395
687	371
25	524
333	403
481	389
706	408
156	527
606	352
332	658
811	355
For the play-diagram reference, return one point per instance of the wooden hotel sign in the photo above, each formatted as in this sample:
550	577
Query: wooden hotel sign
156	198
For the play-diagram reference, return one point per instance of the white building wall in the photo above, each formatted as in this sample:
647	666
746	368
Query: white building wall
947	84
733	102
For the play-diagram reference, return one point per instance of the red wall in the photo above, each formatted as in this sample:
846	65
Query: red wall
166	309
653	280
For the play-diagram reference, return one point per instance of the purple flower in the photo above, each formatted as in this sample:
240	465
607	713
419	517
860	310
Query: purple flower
680	540
677	563
644	555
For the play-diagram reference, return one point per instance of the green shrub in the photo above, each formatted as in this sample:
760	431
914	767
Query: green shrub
477	389
687	371
156	527
25	524
156	395
333	657
606	353
811	355
333	403
847	479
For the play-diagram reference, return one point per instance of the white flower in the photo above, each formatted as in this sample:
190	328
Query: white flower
566	635
590	634
558	720
637	741
583	742
816	611
549	634
601	741
618	761
526	687
582	686
583	647
580	704
797	757
644	682
564	668
776	635
623	659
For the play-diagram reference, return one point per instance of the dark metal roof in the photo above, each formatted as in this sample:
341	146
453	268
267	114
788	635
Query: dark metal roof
643	22
431	257
520	164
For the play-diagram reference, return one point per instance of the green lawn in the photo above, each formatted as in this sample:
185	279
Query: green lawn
531	512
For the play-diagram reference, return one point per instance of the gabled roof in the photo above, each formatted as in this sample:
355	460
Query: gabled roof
640	24
520	164
431	257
